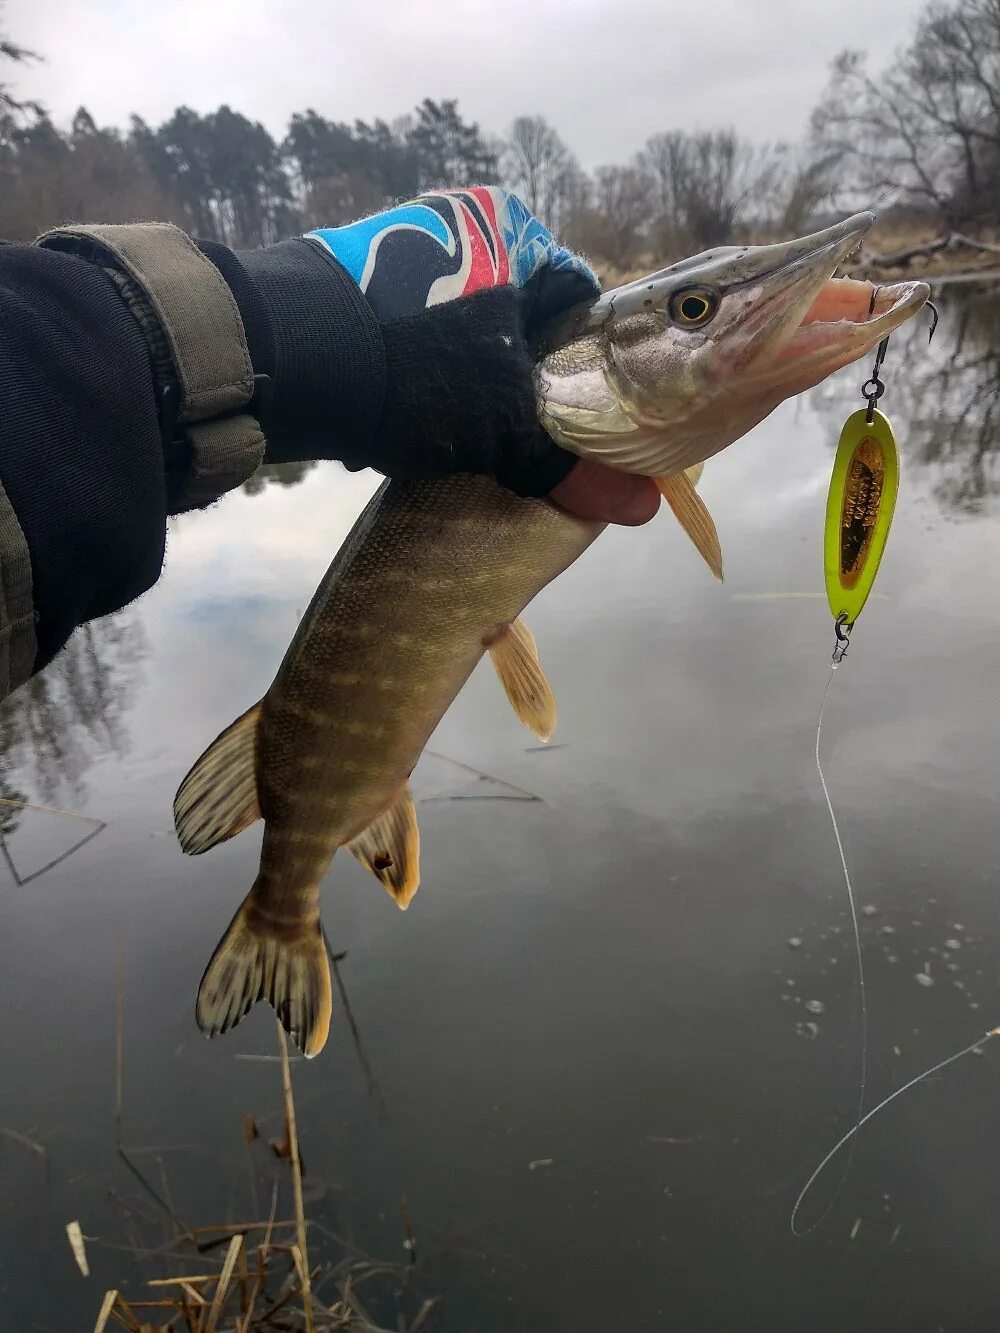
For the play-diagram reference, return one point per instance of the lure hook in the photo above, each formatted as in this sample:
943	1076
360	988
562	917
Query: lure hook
935	316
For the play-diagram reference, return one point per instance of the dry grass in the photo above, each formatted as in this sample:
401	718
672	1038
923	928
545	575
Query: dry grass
266	1279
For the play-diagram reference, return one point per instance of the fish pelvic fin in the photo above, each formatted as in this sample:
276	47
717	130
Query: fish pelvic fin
390	848
515	658
263	957
692	514
218	798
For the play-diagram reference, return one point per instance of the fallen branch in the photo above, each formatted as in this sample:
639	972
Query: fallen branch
954	240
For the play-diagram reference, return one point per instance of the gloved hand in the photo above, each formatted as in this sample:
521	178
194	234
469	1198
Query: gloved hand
459	283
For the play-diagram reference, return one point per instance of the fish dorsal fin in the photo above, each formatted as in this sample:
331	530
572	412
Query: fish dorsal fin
515	658
218	798
692	514
390	848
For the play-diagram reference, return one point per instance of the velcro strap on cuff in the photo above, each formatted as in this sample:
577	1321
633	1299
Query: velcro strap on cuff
18	645
201	322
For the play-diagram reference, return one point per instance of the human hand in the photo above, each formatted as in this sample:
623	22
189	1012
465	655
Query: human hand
459	366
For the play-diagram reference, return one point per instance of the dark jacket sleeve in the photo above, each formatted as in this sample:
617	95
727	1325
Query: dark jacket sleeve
81	463
89	468
93	456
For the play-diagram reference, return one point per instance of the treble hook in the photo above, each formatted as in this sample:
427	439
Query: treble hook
935	313
934	318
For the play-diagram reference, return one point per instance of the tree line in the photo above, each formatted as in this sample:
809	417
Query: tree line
921	137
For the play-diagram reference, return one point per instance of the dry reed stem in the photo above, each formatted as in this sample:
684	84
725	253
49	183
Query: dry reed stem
300	1218
262	1259
107	1305
204	1310
31	1144
423	1314
176	1281
225	1277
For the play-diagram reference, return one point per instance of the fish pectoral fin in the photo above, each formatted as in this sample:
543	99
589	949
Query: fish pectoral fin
218	798
515	659
290	970
390	848
692	514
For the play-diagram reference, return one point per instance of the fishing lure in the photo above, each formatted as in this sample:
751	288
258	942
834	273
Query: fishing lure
861	502
859	510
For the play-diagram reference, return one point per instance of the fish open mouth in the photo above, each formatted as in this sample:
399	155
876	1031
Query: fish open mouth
868	305
809	322
848	318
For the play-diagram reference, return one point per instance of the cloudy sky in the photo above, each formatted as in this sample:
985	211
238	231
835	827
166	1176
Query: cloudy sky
607	73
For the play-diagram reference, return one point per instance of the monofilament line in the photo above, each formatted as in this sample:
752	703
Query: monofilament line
862	995
977	1045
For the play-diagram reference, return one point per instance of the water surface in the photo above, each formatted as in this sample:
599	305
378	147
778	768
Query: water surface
640	981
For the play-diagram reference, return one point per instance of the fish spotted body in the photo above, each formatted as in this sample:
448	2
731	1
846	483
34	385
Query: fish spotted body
362	686
436	573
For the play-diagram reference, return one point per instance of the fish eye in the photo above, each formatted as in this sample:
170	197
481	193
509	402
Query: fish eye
693	307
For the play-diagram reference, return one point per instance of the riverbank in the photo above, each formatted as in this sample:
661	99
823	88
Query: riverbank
890	255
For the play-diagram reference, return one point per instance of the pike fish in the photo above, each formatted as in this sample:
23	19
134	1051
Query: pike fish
653	377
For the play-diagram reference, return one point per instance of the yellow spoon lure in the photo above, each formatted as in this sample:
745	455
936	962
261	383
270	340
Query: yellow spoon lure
860	503
859	511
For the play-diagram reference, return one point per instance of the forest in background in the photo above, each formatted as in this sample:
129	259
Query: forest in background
921	137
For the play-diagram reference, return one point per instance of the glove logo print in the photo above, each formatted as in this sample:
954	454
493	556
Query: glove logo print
442	245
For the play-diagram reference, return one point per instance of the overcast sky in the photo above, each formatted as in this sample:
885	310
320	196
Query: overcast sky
607	73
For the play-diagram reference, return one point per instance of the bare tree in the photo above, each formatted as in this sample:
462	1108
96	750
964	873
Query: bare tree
12	53
705	185
540	168
729	180
614	227
666	160
804	182
927	130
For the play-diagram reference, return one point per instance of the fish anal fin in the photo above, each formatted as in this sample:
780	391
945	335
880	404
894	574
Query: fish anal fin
692	514
218	798
515	659
390	848
260	958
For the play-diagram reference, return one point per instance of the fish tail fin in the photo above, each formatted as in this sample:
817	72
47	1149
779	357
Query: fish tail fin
259	958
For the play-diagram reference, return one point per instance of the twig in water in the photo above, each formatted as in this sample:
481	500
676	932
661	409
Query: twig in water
522	793
31	1144
120	1100
374	1088
19	879
409	1239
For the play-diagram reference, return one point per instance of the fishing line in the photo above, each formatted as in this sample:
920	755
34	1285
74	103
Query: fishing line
862	992
977	1045
859	511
